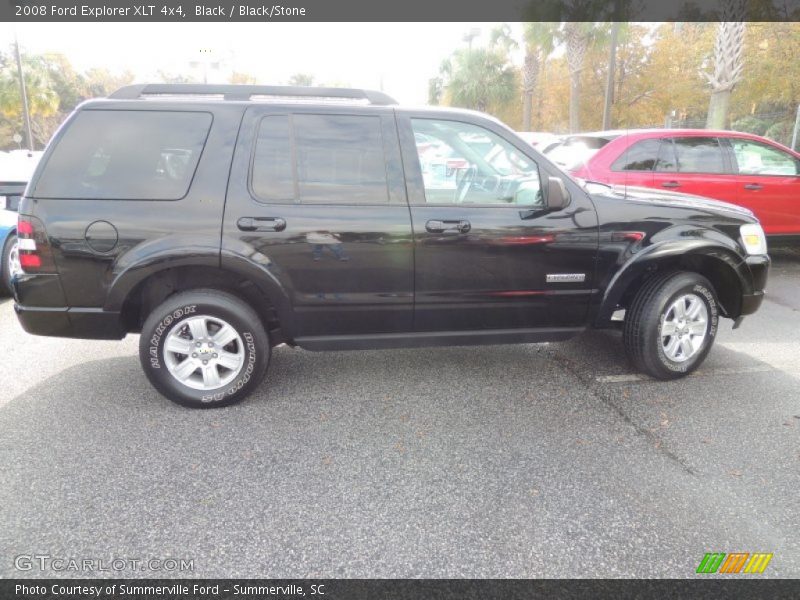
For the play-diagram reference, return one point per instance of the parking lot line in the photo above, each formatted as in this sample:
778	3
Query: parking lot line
628	377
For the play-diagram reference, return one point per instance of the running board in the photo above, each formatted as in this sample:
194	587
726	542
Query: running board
421	339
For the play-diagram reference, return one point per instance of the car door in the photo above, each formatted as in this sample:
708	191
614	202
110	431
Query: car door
317	197
768	183
488	255
695	165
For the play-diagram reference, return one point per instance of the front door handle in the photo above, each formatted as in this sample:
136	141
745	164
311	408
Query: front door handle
753	186
459	226
671	184
261	224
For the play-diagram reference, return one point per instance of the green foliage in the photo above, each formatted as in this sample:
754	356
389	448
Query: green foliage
301	79
479	78
751	124
53	88
781	132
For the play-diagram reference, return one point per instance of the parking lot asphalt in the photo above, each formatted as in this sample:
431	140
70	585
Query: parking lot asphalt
551	460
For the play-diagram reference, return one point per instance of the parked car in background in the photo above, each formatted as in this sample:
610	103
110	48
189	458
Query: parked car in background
538	139
740	168
16	168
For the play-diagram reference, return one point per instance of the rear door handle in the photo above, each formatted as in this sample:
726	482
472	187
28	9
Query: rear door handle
671	184
261	224
459	226
753	186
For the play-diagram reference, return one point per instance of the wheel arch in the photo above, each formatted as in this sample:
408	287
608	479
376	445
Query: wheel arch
720	264
143	289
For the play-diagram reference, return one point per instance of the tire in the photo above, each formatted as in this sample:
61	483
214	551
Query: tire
6	269
236	357
658	341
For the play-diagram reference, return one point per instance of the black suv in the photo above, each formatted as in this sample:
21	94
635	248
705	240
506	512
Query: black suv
220	221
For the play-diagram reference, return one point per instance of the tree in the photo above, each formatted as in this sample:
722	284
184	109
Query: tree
435	90
539	42
501	39
479	78
100	82
301	80
43	100
577	37
166	77
238	77
728	62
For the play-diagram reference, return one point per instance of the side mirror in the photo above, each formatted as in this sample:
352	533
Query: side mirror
557	194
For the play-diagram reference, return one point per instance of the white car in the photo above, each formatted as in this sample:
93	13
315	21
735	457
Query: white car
16	168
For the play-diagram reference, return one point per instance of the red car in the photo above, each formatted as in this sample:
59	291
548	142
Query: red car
741	168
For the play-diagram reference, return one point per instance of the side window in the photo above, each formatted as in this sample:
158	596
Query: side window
641	156
755	158
666	162
340	159
272	178
126	155
331	159
699	155
467	164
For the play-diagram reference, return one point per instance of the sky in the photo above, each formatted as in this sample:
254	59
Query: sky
399	58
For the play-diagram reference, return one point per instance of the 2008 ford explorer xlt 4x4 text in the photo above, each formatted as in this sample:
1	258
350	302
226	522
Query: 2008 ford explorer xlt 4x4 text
219	221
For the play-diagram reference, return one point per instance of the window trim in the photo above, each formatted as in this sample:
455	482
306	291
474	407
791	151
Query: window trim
728	143
46	160
467	205
296	200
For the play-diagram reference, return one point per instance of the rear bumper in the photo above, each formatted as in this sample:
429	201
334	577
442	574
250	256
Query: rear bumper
85	323
759	269
40	307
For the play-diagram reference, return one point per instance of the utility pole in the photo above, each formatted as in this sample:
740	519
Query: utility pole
612	63
471	35
24	94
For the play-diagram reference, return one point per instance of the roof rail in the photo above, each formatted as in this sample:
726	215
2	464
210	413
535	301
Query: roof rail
245	92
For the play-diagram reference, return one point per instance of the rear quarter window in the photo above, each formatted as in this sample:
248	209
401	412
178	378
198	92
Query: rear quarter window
126	155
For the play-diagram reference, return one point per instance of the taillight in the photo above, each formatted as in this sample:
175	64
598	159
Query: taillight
35	252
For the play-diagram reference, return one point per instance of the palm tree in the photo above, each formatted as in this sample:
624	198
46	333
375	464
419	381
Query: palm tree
577	37
728	62
502	39
538	46
43	101
479	78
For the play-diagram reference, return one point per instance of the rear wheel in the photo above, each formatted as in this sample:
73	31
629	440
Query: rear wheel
204	349
10	263
671	324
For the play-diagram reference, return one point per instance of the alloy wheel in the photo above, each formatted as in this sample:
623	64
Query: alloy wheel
204	352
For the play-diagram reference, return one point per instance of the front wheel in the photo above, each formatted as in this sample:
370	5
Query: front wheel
204	349
671	324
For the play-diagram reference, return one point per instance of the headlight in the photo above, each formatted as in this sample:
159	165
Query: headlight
753	238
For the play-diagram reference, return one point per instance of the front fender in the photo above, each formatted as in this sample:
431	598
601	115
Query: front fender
711	246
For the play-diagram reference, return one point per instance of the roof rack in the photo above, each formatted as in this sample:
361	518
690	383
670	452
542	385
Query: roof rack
245	92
